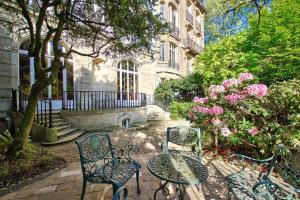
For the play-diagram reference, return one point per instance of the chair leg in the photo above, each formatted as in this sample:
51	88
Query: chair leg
115	189
137	181
83	190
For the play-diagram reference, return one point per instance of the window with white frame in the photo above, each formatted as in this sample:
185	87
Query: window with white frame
162	11
172	52
127	80
162	51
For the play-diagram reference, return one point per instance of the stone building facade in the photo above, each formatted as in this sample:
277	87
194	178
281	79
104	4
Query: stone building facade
141	73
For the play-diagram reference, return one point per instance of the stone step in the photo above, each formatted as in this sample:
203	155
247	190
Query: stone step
59	123
65	132
60	128
65	139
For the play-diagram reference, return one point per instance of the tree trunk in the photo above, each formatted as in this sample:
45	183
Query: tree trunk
25	126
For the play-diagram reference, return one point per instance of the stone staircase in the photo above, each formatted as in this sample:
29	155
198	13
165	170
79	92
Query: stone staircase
155	113
65	131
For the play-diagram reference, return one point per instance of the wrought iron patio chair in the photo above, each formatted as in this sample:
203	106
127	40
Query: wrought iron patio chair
250	185
182	139
101	163
118	194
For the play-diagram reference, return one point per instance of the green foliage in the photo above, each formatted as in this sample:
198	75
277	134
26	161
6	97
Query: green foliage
5	140
183	89
179	110
276	117
271	51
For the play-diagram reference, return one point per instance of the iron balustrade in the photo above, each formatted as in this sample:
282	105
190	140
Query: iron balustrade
190	43
102	100
174	30
173	64
43	115
189	17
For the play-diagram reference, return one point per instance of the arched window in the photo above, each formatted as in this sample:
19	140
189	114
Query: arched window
127	80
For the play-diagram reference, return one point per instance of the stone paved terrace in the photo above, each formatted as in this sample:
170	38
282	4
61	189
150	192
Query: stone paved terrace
67	183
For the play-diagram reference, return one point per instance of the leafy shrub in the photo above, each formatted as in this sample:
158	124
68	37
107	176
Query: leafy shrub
183	89
250	117
179	110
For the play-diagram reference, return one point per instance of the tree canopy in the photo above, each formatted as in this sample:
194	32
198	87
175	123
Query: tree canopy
270	50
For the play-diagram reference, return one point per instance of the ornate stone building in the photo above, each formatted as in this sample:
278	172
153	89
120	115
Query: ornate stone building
175	54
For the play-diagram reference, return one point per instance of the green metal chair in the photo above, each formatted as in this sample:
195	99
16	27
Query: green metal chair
101	163
185	138
250	185
118	194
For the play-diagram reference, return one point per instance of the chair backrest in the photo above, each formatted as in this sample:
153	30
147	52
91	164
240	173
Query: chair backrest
184	135
287	164
93	148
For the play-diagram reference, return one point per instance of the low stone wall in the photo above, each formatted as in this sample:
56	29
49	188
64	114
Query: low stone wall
104	119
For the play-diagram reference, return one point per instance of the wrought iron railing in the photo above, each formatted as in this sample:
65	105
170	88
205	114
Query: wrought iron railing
173	64
190	43
189	17
101	100
174	30
43	115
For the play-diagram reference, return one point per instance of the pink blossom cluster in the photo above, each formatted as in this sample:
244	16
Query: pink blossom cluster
253	131
216	110
245	77
258	90
213	96
230	83
217	89
225	131
234	98
191	115
203	110
200	100
217	122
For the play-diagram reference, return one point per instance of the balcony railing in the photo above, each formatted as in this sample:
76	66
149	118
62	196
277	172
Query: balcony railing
198	26
173	64
102	100
189	17
174	30
191	44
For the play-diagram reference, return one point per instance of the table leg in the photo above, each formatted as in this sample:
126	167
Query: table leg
164	189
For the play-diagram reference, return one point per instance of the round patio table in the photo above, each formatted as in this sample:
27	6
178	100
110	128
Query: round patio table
178	169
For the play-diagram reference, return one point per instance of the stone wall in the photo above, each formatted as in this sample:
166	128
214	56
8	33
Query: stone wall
104	119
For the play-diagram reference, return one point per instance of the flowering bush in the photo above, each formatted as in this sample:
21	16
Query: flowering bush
241	115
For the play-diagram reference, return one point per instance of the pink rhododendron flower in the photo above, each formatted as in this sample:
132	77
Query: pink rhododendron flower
245	77
225	132
234	98
216	110
217	89
203	110
217	122
200	100
230	82
191	115
253	131
213	96
258	90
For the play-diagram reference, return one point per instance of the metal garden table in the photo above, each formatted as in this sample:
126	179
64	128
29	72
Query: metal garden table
178	169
